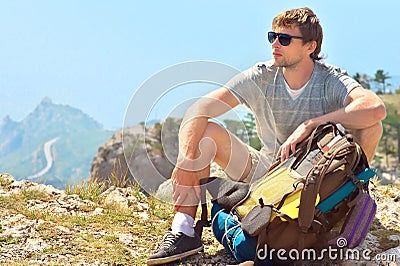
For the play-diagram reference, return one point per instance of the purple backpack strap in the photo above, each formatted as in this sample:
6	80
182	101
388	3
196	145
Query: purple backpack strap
358	221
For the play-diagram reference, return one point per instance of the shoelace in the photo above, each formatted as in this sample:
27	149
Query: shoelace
169	240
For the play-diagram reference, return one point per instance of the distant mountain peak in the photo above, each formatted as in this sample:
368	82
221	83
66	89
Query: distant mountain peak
7	124
43	107
25	145
59	117
6	120
46	101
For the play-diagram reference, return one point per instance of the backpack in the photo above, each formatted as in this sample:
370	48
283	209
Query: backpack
299	201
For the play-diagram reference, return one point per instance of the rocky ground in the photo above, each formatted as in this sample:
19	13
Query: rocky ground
41	225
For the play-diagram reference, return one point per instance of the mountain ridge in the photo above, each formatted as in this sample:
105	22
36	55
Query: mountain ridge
22	143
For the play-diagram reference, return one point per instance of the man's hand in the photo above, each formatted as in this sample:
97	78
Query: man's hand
301	132
186	188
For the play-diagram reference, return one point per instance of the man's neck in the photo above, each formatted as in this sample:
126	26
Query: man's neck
297	76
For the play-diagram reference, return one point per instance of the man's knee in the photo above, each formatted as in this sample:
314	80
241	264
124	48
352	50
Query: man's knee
232	154
218	136
214	130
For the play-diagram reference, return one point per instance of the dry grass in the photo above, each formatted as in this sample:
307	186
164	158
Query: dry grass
98	238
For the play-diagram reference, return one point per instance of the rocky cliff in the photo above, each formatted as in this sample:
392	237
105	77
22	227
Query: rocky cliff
138	154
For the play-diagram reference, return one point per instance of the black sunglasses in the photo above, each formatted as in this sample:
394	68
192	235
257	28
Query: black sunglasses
284	39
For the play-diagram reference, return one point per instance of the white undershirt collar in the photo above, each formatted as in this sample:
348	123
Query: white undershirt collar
294	93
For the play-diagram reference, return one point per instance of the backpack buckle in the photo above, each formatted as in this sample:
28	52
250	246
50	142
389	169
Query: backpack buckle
355	180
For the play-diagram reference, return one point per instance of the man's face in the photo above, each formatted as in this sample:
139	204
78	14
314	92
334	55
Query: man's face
291	55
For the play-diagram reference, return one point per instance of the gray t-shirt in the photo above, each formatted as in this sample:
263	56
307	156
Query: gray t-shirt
262	89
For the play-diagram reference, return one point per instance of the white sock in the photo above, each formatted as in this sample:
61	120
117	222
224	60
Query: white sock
183	223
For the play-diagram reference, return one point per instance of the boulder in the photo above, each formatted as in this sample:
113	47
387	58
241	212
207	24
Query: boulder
139	155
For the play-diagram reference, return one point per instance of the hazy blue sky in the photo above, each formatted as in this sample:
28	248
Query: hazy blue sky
94	54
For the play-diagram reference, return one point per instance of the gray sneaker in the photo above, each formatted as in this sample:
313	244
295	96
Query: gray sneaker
175	246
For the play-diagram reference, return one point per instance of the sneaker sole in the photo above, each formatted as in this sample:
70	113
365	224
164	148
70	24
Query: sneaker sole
174	257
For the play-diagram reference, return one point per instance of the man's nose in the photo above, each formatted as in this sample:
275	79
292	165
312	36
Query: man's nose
276	42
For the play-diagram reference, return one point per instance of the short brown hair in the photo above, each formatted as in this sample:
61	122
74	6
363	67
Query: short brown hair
308	24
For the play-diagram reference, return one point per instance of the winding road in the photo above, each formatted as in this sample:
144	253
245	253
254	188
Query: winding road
49	158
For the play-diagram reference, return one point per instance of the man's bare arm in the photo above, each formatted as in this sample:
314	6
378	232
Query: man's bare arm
191	132
362	109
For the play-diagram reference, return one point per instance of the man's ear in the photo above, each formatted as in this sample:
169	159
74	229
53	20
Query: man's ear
312	45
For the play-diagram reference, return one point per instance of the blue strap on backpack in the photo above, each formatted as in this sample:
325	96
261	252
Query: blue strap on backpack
344	191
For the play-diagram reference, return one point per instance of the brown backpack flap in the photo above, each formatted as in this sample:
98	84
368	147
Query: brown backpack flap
340	168
339	160
285	234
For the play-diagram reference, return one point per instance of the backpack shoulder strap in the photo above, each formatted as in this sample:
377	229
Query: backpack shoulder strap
203	222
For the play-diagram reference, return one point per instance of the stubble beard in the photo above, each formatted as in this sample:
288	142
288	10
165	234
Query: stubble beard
286	64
